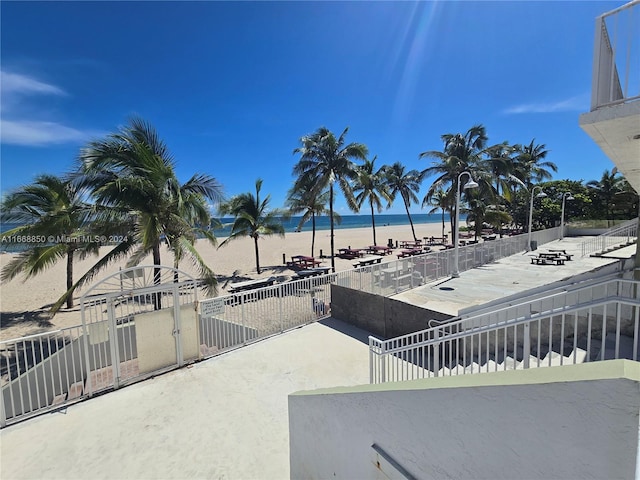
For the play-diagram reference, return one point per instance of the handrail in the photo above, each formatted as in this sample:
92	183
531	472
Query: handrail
628	229
469	320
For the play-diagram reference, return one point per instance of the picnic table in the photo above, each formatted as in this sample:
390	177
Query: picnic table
363	262
410	243
251	284
548	258
349	253
409	253
561	251
436	240
302	262
379	250
313	272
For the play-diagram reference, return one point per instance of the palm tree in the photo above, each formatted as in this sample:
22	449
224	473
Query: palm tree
303	198
605	192
439	200
370	185
252	218
407	184
326	159
58	220
462	152
530	166
131	175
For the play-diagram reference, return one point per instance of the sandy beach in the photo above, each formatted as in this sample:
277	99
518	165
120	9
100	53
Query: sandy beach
24	303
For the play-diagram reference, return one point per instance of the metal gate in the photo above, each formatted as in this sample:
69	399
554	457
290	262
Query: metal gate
136	323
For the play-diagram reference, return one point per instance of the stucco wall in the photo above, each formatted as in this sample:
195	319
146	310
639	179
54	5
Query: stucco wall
534	424
382	316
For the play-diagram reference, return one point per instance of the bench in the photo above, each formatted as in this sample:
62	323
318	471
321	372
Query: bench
409	253
251	284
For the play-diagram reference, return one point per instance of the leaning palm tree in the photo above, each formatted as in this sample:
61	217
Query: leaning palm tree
407	184
326	159
131	175
57	222
370	186
252	218
303	198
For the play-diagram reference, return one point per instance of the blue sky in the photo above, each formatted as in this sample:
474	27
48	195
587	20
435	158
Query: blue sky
232	86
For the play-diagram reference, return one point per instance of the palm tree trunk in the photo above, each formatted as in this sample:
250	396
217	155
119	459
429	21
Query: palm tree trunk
406	206
373	222
443	224
333	260
255	242
313	231
157	299
69	276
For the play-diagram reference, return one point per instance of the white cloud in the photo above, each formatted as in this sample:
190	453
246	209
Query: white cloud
578	103
38	133
14	83
24	124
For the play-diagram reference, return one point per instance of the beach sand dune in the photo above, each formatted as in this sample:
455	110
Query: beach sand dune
24	303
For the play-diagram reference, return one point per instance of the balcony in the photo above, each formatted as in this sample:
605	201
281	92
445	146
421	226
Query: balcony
614	120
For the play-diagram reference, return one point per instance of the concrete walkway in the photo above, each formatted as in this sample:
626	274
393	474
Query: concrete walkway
222	418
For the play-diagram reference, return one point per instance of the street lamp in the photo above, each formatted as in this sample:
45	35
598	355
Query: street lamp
565	196
470	184
540	195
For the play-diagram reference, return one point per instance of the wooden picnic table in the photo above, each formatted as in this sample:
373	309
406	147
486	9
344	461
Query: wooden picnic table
410	243
302	262
379	250
251	284
542	259
436	240
410	253
313	272
349	253
362	262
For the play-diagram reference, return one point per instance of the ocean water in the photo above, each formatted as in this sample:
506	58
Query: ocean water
291	225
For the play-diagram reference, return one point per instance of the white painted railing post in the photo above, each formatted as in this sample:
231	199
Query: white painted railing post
436	353
526	347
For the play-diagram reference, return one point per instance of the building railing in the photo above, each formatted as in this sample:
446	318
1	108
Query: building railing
616	70
43	372
624	234
595	322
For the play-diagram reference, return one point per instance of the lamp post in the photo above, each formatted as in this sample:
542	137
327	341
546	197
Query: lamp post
470	184
540	195
565	196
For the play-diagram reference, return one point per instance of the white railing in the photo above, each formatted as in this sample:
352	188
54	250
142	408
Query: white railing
47	371
624	234
616	69
595	322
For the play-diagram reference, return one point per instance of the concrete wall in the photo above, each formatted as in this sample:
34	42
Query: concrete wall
382	316
579	421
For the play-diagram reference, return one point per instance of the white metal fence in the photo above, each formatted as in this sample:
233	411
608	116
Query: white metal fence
137	324
616	69
624	234
594	322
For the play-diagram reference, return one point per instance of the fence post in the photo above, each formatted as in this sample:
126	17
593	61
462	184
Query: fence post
436	353
85	335
526	347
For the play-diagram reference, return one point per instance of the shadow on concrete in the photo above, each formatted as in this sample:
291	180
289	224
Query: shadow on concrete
346	329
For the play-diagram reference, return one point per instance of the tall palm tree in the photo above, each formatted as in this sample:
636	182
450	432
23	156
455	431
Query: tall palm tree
462	152
407	184
530	164
131	175
57	218
326	159
302	198
605	192
440	200
370	186
252	218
